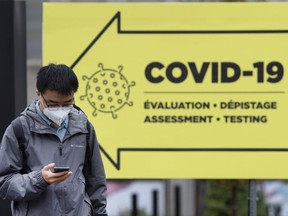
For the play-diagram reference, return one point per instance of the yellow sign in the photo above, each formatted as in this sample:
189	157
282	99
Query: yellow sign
179	90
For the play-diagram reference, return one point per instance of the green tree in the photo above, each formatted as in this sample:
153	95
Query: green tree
229	198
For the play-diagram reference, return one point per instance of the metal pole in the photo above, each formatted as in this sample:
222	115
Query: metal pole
13	60
13	67
177	201
155	203
134	205
252	199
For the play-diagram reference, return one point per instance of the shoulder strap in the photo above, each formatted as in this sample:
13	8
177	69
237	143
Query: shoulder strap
19	132
88	151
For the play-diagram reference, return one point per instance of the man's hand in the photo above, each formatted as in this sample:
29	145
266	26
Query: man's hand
54	178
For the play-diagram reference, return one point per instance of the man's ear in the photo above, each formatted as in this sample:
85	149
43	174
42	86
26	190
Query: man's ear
38	93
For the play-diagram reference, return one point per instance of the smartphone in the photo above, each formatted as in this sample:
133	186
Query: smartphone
60	169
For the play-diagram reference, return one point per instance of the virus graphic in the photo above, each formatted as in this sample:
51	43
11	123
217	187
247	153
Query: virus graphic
107	91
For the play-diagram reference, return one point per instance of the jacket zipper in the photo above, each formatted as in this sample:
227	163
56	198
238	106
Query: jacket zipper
61	148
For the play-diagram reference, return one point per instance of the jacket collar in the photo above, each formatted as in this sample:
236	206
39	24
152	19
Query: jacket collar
77	121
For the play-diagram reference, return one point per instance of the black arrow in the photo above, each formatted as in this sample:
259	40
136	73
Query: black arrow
117	17
119	150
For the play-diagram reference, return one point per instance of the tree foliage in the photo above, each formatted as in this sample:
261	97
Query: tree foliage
230	198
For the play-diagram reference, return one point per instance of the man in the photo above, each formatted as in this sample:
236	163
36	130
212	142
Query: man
56	134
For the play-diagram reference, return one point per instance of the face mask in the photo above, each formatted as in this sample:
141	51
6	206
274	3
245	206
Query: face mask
57	114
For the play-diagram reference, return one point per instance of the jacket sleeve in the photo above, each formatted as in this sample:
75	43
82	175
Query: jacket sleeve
95	176
14	185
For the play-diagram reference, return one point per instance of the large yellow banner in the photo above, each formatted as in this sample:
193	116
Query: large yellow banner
179	90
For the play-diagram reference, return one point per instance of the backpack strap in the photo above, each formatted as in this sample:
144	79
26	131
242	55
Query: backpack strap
88	151
19	133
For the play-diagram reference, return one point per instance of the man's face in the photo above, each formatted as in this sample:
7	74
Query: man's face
54	99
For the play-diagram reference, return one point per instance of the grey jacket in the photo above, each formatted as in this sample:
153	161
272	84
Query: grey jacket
82	194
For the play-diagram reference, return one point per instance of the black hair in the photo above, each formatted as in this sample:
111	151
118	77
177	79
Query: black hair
60	78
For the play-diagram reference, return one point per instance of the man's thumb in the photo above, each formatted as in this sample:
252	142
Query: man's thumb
49	166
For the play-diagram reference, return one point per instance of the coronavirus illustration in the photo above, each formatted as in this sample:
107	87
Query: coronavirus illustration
107	90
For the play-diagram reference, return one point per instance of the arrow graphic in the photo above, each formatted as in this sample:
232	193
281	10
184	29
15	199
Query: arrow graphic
117	18
179	90
117	163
